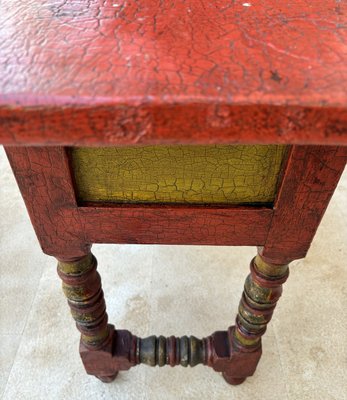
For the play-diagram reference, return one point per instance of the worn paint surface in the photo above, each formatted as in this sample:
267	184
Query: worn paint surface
103	73
82	288
178	174
260	295
153	72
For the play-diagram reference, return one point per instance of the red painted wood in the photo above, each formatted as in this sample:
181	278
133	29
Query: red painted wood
66	230
309	181
90	72
237	226
152	72
43	177
190	123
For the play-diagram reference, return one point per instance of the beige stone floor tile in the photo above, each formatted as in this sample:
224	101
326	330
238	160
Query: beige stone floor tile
126	274
311	332
196	289
8	348
17	294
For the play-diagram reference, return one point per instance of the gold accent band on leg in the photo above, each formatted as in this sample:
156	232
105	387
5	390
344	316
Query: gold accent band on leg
263	288
82	287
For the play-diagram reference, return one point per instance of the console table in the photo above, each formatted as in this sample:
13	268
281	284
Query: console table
179	122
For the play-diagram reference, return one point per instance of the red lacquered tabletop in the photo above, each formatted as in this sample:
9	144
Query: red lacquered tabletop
195	71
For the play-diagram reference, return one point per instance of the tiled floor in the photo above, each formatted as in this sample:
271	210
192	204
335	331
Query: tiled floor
171	290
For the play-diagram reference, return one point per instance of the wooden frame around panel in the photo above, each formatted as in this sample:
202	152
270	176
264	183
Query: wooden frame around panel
66	230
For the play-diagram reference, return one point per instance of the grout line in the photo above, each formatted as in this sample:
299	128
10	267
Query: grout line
33	299
13	359
10	370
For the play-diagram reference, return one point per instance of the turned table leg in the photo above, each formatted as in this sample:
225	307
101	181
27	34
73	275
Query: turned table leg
263	287
82	287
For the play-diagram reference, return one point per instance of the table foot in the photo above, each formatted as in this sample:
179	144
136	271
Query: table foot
107	379
231	380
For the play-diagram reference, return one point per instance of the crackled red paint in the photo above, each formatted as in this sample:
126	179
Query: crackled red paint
99	71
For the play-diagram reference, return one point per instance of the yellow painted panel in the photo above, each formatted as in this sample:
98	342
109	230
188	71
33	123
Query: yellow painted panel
225	174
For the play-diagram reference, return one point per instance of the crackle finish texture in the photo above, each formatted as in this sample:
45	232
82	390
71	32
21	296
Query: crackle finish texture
104	72
178	174
66	230
99	73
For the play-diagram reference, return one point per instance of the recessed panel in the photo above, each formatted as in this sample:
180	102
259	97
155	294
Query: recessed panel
213	174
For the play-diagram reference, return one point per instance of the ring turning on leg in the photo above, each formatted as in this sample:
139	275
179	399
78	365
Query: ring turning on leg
82	287
263	288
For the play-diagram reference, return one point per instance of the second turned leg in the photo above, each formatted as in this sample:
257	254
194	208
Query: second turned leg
263	288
